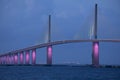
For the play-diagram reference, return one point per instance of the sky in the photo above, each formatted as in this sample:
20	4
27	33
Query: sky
24	23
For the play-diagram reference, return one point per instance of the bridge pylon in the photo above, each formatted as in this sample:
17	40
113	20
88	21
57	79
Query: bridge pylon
95	51
49	47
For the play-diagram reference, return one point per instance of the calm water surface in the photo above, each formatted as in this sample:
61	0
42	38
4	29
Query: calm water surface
58	73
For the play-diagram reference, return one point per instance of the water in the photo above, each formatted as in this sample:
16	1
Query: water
58	73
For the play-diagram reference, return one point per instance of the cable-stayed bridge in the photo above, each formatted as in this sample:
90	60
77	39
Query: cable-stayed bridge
24	54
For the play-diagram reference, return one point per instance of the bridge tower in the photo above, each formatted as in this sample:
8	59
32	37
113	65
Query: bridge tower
49	47
95	50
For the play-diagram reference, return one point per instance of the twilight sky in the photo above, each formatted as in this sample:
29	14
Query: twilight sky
24	23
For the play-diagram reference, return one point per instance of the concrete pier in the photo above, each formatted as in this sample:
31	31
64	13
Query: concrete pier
21	57
34	56
27	57
16	58
49	55
95	54
12	59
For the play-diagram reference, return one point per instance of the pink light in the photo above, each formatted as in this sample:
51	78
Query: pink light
49	55
5	60
96	48
12	59
8	59
96	54
21	58
27	57
49	51
33	56
16	58
0	60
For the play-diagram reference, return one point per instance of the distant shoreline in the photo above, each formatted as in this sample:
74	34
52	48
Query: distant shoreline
72	65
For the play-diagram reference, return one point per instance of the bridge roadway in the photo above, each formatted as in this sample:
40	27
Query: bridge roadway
60	42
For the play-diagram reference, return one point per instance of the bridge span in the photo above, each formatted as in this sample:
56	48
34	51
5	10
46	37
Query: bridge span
61	42
12	56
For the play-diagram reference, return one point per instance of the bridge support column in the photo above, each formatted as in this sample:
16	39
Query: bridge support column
8	62
21	58
16	58
5	59
3	62
12	59
95	54
27	57
9	59
49	55
0	60
34	56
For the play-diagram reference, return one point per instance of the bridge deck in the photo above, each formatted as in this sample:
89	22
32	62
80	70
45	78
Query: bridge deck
60	42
